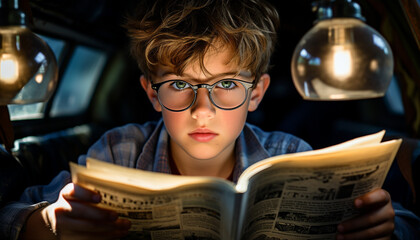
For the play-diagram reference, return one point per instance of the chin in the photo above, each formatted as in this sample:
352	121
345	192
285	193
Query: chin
203	153
203	156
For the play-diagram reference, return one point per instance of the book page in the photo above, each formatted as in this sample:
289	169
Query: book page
152	181
199	208
306	197
360	142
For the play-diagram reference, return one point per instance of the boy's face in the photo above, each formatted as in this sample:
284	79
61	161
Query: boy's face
204	131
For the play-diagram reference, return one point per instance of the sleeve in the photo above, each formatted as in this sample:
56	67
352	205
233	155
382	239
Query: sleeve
302	146
407	224
14	215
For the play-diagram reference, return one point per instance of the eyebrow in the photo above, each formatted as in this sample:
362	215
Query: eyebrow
241	73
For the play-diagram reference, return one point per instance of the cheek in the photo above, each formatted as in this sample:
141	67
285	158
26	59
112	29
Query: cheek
174	121
233	121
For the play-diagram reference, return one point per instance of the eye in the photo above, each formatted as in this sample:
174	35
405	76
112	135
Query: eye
226	84
179	85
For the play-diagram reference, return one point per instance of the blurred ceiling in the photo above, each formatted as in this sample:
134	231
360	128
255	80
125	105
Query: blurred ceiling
102	19
98	19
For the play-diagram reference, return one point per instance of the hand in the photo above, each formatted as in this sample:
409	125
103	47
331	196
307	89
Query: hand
376	219
75	215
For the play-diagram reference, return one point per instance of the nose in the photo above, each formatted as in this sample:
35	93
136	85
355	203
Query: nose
203	108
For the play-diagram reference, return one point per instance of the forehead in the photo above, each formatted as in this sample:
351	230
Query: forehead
217	62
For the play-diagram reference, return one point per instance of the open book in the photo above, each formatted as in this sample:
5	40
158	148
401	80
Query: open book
292	196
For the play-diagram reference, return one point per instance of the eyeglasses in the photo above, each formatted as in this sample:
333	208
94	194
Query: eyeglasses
226	94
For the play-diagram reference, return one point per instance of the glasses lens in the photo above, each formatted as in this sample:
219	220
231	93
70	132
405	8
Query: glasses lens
176	95
228	93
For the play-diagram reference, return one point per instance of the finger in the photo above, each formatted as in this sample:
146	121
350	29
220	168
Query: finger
77	209
372	200
382	231
368	219
76	192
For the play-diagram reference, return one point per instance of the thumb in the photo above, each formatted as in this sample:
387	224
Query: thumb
76	192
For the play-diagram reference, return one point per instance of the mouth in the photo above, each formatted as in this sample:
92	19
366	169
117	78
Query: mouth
202	135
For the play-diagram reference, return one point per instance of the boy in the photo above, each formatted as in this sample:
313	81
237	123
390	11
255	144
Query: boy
204	65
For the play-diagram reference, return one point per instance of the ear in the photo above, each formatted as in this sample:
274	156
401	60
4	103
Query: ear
258	92
151	94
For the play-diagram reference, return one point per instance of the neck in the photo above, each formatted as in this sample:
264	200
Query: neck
219	166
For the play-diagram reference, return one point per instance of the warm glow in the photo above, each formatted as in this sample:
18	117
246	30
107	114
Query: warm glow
39	77
342	63
9	68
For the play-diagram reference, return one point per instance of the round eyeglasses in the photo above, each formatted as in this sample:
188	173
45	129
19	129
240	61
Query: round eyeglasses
226	94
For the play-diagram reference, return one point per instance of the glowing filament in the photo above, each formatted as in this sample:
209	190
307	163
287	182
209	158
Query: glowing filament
342	63
9	68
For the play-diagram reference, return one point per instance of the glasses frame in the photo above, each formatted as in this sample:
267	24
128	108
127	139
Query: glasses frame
209	87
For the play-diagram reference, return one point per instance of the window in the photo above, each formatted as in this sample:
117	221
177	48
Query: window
78	82
393	98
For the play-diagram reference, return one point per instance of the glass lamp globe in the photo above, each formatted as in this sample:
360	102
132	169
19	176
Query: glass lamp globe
342	59
28	69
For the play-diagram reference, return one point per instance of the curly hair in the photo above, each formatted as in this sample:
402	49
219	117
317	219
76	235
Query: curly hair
176	33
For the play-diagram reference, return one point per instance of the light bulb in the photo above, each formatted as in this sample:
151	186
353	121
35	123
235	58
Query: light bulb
28	68
340	59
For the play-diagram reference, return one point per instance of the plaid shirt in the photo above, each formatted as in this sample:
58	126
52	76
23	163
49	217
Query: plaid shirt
145	147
